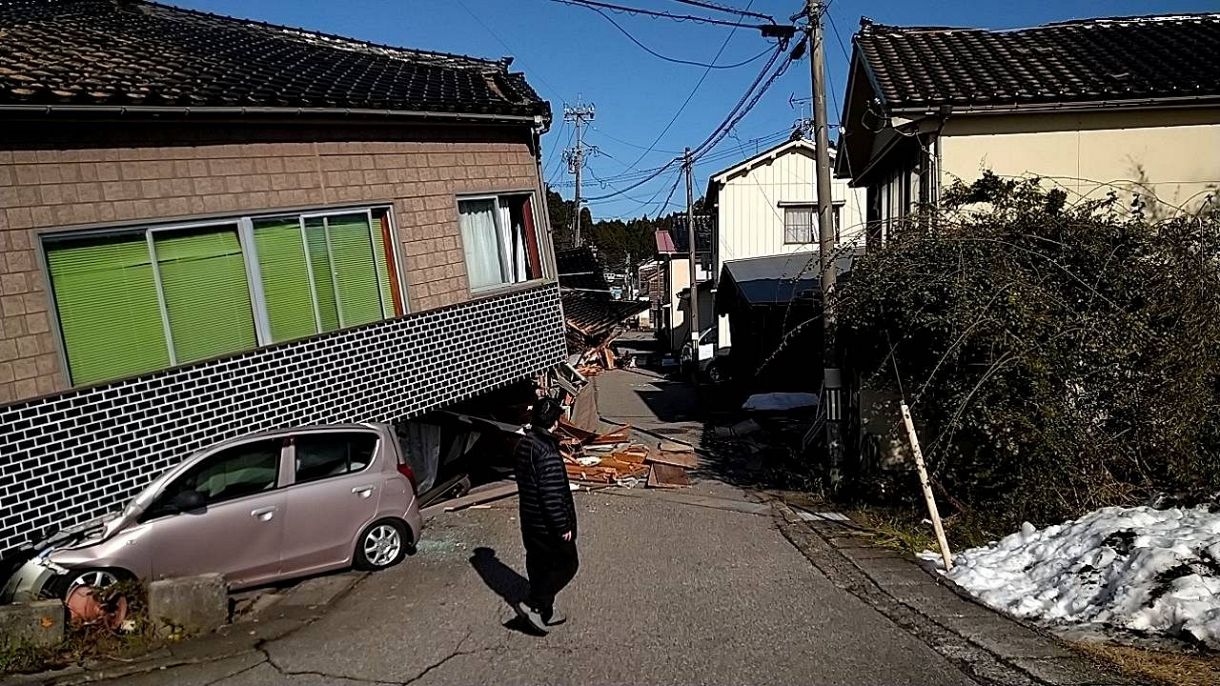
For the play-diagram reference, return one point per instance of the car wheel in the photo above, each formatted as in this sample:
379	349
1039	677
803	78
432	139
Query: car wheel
382	545
714	374
95	577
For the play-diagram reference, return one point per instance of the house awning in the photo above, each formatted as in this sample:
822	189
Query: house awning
771	280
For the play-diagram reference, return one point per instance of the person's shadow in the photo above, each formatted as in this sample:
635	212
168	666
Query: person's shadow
505	582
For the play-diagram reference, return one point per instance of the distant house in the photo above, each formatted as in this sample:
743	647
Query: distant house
211	226
767	205
1126	104
671	312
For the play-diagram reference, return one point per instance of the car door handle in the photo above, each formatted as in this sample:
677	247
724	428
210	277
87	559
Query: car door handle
263	513
363	491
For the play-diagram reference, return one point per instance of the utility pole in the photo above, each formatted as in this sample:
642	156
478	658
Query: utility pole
575	157
688	164
832	382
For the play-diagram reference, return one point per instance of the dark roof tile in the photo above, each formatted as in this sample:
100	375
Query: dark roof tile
131	52
1132	58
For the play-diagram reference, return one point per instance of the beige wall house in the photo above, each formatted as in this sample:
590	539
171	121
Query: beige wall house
1129	105
766	205
212	226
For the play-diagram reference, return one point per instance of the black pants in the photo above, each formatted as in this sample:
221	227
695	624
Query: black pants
551	565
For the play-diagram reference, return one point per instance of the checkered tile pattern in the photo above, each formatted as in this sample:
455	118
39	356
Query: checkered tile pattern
73	456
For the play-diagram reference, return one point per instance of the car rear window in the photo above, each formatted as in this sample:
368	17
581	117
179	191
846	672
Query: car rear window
325	455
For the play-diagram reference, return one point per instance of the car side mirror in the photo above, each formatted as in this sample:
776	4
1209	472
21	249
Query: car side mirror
189	501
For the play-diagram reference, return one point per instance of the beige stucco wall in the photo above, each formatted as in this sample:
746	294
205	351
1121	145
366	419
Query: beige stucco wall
1173	153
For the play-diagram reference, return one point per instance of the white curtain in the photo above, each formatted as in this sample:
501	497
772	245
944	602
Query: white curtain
481	241
506	243
520	266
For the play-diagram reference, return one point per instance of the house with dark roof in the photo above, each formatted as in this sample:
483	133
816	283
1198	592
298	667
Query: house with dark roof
1130	105
211	226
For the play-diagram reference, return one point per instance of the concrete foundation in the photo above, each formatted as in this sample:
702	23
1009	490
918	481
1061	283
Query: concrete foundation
39	623
190	605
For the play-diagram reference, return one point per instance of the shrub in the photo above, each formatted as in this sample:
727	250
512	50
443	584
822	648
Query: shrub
1057	358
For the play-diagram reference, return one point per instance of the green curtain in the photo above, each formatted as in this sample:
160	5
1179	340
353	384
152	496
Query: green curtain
106	300
207	297
286	294
355	269
323	282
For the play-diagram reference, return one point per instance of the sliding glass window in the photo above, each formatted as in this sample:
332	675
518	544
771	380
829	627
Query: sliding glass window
142	300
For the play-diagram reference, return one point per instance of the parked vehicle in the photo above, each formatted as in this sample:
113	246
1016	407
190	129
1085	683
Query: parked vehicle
711	357
257	509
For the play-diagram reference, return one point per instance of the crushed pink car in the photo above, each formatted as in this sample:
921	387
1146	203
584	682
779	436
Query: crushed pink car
257	509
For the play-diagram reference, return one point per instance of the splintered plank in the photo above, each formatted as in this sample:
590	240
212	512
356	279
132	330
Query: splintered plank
568	428
620	435
673	454
667	476
600	475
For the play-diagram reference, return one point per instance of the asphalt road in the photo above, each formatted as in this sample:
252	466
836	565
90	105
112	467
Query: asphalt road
668	593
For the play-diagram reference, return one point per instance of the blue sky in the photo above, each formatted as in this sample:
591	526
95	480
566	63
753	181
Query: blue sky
569	53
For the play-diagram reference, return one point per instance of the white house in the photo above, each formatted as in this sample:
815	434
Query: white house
767	205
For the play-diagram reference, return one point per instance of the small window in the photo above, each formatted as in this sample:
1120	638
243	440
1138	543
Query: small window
321	456
500	241
235	472
798	224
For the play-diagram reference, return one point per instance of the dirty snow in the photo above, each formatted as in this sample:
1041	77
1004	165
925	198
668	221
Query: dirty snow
1143	570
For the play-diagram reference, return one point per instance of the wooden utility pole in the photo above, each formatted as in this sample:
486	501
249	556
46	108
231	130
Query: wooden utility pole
576	156
688	164
832	384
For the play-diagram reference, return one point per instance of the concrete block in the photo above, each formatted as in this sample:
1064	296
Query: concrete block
191	605
39	623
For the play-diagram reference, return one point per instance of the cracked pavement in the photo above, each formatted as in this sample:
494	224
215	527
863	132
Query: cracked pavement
668	592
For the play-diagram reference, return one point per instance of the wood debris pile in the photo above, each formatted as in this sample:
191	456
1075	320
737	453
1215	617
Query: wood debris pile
597	360
612	458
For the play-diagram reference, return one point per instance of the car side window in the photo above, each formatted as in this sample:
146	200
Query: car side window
234	472
324	455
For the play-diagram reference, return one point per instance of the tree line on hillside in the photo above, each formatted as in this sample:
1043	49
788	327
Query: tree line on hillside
621	245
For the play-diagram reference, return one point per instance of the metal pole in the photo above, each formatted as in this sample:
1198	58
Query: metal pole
579	161
694	259
831	377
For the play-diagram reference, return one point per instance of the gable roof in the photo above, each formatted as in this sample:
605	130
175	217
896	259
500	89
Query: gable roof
134	53
1141	59
766	156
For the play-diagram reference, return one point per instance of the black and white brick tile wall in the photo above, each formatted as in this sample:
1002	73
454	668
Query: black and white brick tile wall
73	456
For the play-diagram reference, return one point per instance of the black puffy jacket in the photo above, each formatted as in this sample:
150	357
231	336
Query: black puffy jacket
547	510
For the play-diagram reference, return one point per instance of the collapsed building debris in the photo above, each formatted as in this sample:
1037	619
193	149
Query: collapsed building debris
613	458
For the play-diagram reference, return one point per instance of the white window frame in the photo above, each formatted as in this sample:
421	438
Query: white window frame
495	198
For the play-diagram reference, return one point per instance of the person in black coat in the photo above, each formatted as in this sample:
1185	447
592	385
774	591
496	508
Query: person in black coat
548	516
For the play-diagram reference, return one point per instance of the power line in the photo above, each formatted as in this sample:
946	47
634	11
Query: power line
690	95
504	45
590	4
725	8
675	60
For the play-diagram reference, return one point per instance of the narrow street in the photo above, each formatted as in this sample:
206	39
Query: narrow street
699	586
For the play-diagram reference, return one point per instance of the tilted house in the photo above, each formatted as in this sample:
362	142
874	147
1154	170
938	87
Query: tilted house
211	226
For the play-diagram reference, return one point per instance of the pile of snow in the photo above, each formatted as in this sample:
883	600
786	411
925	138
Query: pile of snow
779	402
1135	569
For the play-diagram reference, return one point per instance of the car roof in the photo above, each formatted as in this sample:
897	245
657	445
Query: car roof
288	431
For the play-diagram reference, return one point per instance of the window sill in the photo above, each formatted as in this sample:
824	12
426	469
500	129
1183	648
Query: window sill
506	288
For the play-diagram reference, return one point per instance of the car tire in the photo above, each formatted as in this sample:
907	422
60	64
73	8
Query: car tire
100	577
381	545
714	374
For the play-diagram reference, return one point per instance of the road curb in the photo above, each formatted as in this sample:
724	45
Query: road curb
986	645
